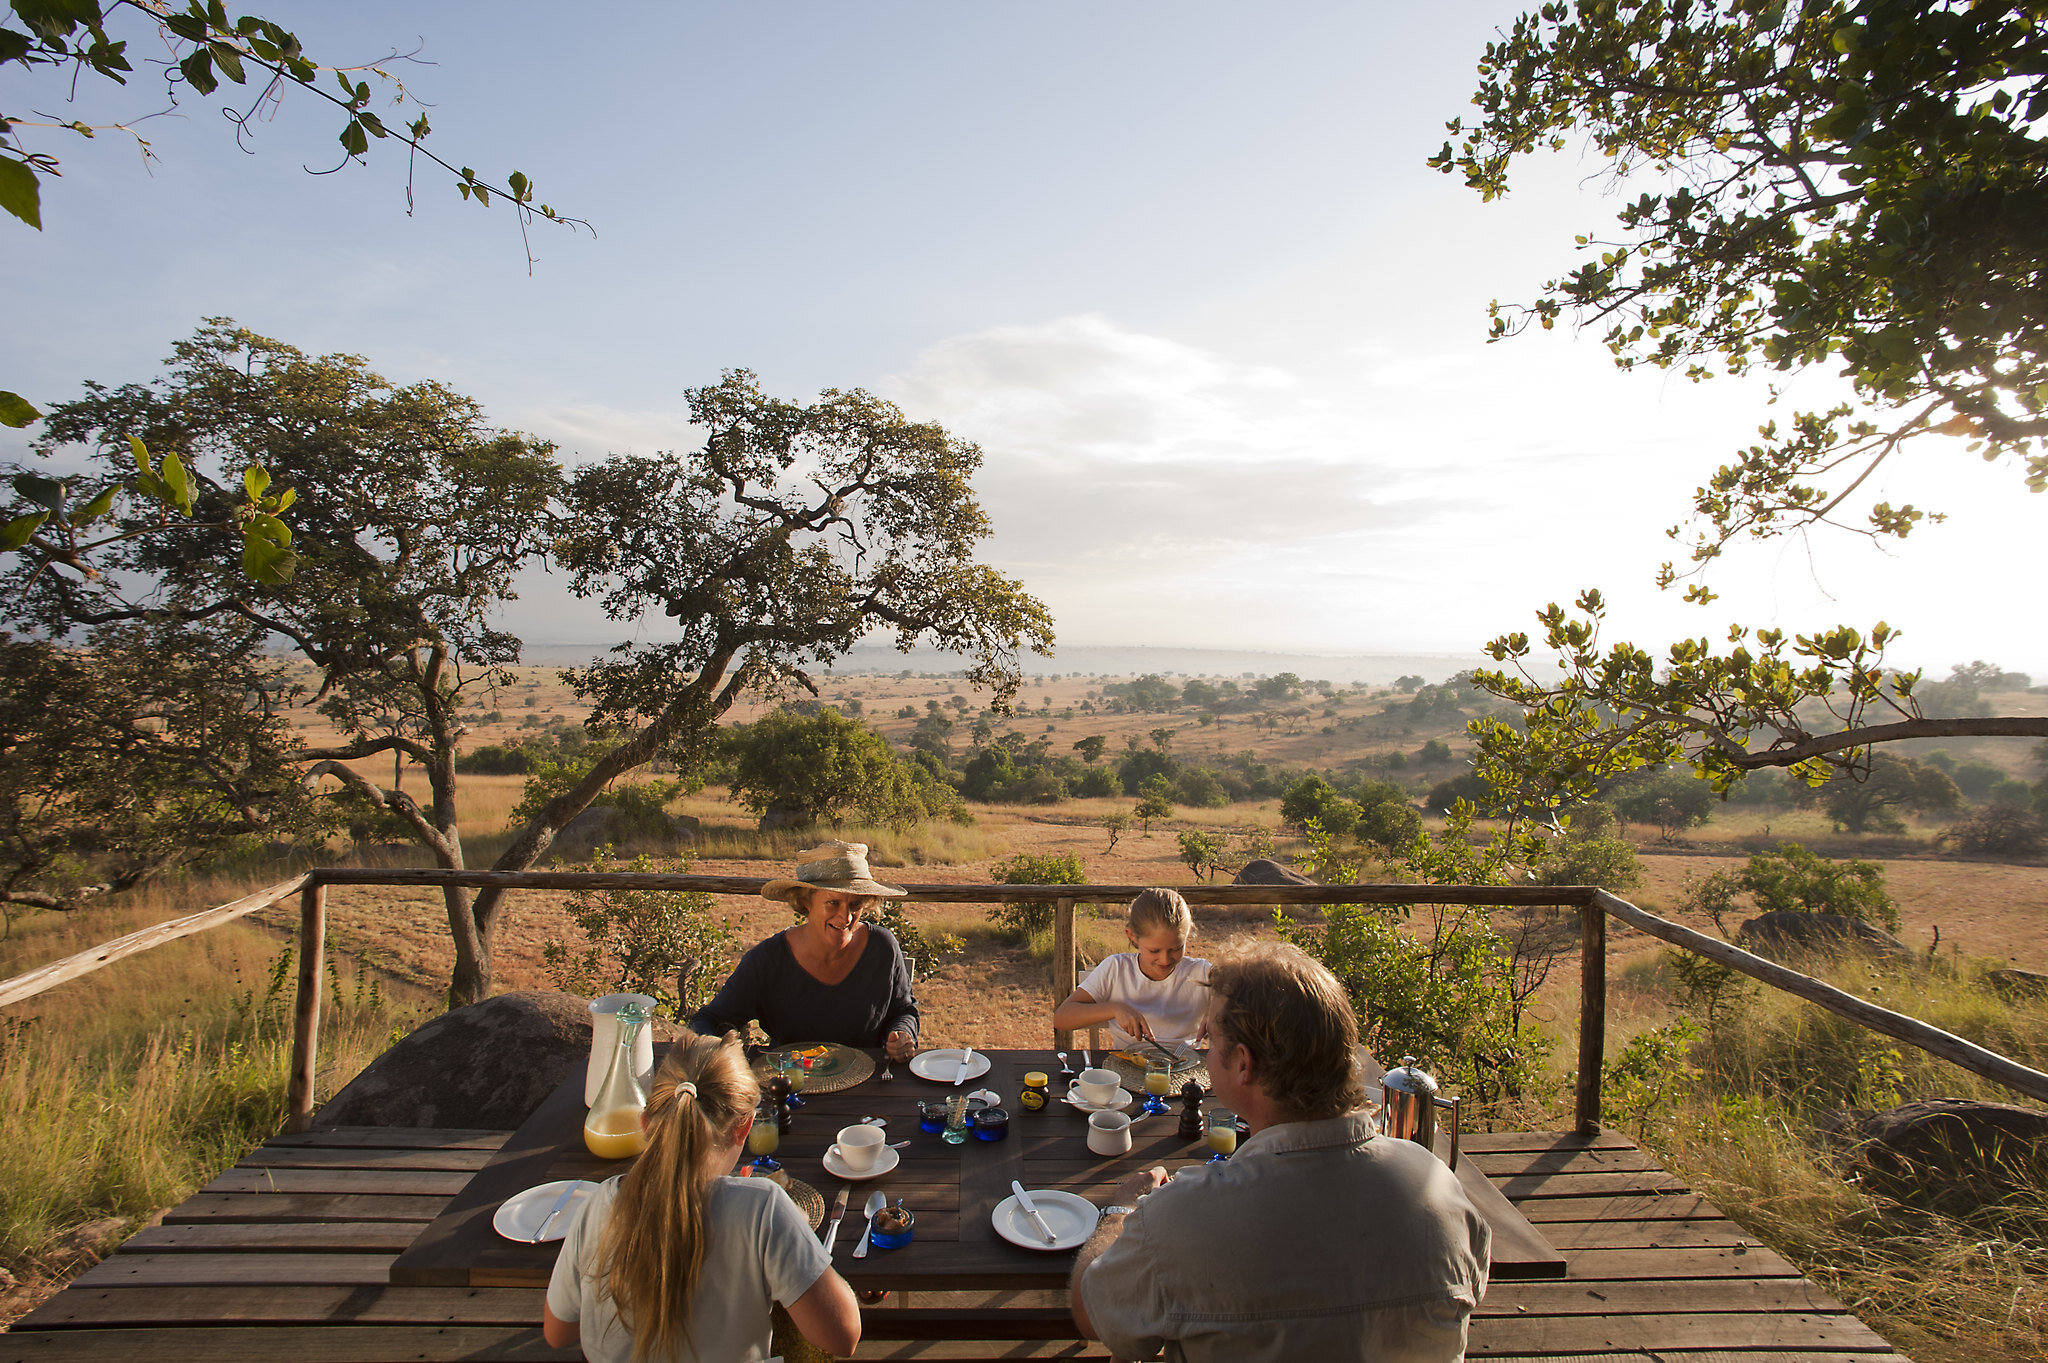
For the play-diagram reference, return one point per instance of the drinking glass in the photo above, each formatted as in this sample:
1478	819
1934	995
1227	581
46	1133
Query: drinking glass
766	1137
798	1071
956	1119
1220	1128
1158	1083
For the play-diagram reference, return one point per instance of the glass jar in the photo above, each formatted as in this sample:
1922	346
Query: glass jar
1037	1086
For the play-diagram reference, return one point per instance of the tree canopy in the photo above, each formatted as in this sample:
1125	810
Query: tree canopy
416	517
1818	183
794	770
1828	182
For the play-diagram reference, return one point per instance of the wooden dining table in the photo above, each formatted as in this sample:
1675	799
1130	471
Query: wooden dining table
953	1190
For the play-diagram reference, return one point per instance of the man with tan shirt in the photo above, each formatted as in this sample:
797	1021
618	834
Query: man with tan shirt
1318	1239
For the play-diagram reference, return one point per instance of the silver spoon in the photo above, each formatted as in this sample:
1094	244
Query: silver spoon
875	1204
1065	1068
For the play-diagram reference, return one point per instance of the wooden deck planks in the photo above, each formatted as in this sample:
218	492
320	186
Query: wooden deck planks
1654	1271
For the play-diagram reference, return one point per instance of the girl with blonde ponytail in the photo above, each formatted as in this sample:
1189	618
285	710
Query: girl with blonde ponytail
675	1261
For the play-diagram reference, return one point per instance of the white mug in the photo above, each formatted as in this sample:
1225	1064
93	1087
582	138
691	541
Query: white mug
604	1039
1109	1133
1096	1087
858	1147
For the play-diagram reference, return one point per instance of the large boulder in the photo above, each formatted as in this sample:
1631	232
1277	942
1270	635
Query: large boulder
1949	1153
1818	934
1267	872
487	1066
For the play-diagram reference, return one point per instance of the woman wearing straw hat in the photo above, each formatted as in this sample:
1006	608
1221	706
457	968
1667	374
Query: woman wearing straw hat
831	977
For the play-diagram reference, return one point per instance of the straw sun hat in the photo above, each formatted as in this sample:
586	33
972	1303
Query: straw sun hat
833	866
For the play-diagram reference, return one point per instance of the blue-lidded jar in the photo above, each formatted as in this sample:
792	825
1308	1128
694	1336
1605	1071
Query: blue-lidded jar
894	1227
991	1124
931	1116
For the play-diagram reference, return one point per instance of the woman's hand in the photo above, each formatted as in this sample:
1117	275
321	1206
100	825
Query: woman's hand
1133	1022
899	1047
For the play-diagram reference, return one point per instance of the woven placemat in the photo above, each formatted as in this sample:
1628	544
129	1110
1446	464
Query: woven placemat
808	1200
841	1067
1133	1074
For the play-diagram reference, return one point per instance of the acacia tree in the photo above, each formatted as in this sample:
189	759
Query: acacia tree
1856	183
157	747
416	516
792	534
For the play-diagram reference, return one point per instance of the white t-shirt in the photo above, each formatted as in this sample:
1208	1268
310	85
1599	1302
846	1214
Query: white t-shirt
1173	1006
760	1250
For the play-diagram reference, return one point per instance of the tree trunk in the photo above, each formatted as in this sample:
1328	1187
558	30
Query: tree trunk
471	979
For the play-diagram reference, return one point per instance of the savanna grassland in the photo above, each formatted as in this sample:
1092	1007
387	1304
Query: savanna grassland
187	1043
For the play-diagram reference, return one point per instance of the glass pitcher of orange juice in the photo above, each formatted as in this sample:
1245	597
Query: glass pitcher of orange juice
612	1130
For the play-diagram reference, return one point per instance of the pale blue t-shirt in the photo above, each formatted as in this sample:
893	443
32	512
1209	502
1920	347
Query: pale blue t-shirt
761	1250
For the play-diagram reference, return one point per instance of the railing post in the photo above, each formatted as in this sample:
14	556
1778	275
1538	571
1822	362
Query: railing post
306	1016
1063	981
1592	1014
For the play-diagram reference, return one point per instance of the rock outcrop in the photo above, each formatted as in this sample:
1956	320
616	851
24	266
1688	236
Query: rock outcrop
1818	934
487	1066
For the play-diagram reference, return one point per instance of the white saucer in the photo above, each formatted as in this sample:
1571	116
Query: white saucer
521	1214
1072	1219
943	1066
1124	1098
886	1161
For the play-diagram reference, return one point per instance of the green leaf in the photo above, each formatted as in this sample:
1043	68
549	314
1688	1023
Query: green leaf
254	480
97	507
15	409
285	499
40	490
353	139
141	452
267	563
229	61
17	531
177	482
271	528
19	192
198	71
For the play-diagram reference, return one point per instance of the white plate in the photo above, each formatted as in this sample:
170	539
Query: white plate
888	1160
520	1215
1071	1218
1124	1098
943	1066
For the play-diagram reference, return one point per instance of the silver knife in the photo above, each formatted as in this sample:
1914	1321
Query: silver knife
966	1059
556	1210
838	1215
1031	1210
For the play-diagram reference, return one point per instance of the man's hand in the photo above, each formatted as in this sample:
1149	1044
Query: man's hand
899	1047
1131	1187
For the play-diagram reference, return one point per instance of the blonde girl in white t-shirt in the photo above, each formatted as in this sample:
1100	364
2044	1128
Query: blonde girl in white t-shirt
1156	991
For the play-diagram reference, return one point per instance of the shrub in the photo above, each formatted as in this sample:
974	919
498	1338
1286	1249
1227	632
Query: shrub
1025	916
1203	853
662	943
1794	880
2000	830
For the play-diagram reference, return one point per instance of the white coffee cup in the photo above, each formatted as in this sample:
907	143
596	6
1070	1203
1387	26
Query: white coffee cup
1096	1087
858	1147
1109	1133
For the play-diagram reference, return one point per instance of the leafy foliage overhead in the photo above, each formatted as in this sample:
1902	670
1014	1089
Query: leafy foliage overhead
1822	182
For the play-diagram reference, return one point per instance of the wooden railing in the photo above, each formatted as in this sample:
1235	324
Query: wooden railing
1595	906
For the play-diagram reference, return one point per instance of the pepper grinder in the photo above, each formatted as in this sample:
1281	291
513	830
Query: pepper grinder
780	1087
1190	1128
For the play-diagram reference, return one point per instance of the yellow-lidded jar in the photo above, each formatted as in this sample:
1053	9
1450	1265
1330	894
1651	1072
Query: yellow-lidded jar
1033	1094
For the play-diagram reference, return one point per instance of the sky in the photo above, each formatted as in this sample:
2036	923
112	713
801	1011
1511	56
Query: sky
1179	269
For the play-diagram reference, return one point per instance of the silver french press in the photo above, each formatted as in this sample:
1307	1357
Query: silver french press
1409	1109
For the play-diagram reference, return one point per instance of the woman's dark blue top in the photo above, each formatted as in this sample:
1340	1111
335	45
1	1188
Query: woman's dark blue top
791	1004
